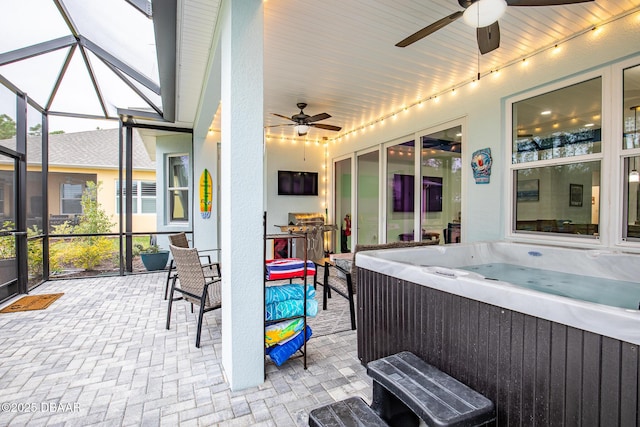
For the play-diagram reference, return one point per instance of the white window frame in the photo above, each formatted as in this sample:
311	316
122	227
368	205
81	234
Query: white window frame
62	198
620	154
607	152
170	189
138	196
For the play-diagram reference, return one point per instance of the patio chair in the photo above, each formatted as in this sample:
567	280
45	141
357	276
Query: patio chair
193	285
180	240
344	281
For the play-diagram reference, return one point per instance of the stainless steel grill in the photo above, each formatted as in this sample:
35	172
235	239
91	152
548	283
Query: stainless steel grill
312	224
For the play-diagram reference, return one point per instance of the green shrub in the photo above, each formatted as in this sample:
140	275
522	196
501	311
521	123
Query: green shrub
86	252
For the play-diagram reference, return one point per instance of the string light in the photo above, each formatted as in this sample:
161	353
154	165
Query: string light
554	48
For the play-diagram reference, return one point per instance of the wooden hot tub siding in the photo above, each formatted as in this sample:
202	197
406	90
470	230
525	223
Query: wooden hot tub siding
537	372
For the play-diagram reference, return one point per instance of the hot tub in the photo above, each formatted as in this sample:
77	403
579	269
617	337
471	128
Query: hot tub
539	356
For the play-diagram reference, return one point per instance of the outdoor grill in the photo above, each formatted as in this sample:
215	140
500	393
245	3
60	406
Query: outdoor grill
311	224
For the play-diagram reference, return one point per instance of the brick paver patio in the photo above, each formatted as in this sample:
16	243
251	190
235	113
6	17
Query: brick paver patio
101	356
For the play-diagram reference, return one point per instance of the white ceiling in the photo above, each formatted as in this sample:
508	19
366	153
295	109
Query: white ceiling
339	56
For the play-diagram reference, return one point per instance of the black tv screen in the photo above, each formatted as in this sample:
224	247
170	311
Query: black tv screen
293	183
403	192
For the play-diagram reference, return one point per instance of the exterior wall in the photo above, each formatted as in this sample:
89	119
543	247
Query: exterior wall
205	155
283	155
167	145
483	104
534	370
106	195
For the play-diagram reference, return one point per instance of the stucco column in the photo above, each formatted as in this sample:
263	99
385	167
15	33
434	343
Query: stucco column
242	192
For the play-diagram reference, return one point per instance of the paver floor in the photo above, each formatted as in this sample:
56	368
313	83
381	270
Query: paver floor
101	356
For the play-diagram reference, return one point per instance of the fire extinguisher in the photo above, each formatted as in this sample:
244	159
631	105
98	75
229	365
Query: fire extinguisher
347	225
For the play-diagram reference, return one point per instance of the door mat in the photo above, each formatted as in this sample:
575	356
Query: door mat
32	302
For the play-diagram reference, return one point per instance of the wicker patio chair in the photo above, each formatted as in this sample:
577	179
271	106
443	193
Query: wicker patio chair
180	240
193	285
345	282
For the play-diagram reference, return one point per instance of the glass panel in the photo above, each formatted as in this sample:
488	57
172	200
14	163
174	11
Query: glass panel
37	75
400	191
178	188
7	187
178	171
367	200
343	204
562	123
115	90
35	207
441	193
558	199
7	118
148	205
119	28
148	188
25	23
179	205
633	197
630	107
76	93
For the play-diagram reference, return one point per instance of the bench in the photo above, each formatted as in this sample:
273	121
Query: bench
406	388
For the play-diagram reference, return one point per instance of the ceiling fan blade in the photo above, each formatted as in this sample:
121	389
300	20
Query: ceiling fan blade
544	2
280	115
488	37
325	127
317	117
275	126
430	29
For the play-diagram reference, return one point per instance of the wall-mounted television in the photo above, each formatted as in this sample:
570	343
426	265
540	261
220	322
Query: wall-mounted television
294	183
403	191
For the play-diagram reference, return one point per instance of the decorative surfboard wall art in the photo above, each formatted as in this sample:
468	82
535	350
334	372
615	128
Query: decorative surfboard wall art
206	193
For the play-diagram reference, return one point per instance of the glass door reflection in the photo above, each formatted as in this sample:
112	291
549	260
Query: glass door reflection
400	192
367	199
343	205
441	195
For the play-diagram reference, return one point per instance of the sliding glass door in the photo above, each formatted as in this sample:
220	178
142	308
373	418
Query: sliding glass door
368	197
441	187
342	181
400	191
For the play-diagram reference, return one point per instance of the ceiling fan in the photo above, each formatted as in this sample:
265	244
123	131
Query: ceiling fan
303	122
483	15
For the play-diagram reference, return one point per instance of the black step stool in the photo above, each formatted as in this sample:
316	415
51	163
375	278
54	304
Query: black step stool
405	387
349	412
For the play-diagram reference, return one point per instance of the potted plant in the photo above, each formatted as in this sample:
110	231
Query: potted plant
153	258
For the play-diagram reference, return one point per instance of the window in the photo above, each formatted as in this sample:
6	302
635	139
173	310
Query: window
631	154
143	194
70	199
556	160
178	187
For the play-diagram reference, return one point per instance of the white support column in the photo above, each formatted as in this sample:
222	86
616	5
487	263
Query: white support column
242	193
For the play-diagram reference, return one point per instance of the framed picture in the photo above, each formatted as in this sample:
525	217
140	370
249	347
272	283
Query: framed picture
575	195
528	190
281	248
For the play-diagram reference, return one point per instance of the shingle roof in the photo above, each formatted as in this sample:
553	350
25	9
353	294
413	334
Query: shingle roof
96	148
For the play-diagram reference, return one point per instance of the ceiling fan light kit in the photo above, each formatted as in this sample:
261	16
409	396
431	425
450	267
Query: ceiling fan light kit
484	12
302	130
482	15
303	122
